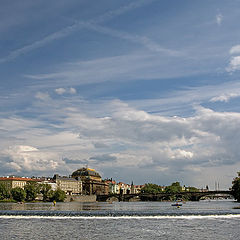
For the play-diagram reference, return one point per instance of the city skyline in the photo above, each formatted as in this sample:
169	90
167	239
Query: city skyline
141	90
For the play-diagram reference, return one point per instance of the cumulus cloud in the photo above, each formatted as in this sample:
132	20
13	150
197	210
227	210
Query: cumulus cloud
23	158
127	138
200	140
234	64
179	153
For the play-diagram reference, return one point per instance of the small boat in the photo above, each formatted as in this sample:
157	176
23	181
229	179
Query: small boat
177	204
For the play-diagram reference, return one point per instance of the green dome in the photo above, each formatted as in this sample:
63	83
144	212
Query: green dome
85	172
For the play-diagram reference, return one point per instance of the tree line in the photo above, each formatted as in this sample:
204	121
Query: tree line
175	187
30	192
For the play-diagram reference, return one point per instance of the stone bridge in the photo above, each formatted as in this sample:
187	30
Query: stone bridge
192	196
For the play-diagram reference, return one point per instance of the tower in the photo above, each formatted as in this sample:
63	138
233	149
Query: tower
132	188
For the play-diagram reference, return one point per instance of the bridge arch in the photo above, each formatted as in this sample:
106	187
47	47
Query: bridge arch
192	196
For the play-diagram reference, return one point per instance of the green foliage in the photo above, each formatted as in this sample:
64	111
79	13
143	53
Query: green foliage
151	188
192	189
58	195
4	192
174	188
45	189
51	195
18	194
236	188
32	190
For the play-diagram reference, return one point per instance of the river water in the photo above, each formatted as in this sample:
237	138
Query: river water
120	220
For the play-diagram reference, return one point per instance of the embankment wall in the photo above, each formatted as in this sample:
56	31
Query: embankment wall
80	198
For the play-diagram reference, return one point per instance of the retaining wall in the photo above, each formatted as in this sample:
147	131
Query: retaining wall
80	198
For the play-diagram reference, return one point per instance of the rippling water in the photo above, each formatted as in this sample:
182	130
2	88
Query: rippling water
120	220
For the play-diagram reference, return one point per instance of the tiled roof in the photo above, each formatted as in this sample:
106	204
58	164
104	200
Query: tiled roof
17	179
66	179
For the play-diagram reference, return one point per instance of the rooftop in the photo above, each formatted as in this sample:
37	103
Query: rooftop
85	172
17	179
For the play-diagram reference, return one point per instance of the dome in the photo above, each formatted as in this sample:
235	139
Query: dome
86	173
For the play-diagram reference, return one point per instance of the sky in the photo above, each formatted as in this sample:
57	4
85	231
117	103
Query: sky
140	90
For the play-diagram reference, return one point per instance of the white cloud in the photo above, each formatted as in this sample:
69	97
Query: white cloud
72	28
28	159
179	153
61	91
126	67
219	18
133	139
234	64
72	90
42	96
235	49
224	97
143	40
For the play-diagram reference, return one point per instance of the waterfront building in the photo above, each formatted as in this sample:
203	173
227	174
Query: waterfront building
92	182
113	187
137	189
68	184
124	188
51	183
12	182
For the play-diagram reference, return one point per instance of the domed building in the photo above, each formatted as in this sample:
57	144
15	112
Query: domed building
91	181
87	173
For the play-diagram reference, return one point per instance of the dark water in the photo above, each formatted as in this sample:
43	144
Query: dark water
120	220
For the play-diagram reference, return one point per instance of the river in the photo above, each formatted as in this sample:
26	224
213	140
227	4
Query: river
120	220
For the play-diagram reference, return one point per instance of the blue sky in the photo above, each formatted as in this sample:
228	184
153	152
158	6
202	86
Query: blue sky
140	90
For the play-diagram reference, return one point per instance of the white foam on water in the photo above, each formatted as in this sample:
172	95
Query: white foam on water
121	217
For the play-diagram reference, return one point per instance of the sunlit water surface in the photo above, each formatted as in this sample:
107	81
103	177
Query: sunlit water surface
120	220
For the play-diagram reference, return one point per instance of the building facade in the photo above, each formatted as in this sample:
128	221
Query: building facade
124	188
70	186
92	182
113	187
12	182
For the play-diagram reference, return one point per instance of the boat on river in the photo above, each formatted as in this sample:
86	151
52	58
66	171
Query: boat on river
177	204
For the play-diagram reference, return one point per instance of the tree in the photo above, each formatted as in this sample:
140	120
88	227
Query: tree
45	189
32	190
58	195
18	194
151	188
192	189
4	192
174	188
51	195
236	188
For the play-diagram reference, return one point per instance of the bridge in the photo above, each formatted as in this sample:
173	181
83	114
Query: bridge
192	196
